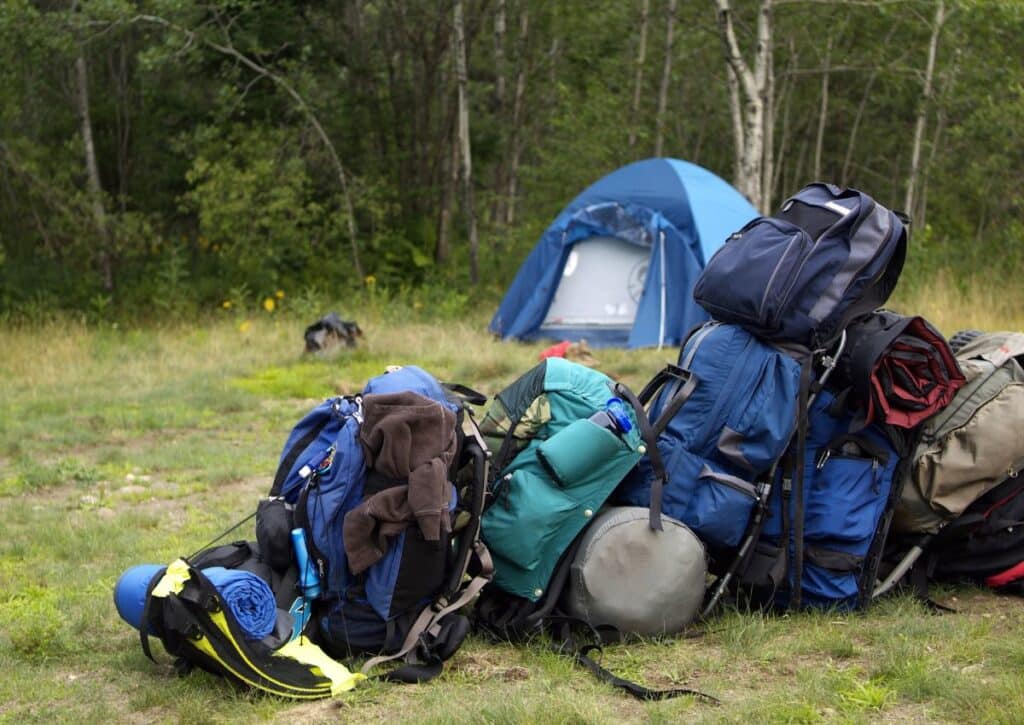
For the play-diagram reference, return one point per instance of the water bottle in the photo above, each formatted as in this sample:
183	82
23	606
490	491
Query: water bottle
613	417
309	580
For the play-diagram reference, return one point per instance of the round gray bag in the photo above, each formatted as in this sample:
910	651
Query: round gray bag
626	576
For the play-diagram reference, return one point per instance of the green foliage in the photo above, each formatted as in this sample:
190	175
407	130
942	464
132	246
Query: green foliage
218	130
253	200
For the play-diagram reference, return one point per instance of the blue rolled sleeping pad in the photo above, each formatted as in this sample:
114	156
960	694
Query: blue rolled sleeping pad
249	598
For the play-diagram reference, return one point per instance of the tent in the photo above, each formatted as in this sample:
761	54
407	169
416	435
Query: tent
618	264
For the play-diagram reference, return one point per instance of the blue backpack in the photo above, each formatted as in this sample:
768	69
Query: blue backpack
403	605
800	276
723	417
849	497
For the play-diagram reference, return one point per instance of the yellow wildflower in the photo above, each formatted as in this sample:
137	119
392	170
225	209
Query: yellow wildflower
244	326
370	280
279	294
268	304
226	304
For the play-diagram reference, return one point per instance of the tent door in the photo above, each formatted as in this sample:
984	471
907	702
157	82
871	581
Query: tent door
601	285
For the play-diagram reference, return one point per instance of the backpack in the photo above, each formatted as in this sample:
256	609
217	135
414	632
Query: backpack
850	489
389	584
553	470
723	416
826	257
971	445
958	517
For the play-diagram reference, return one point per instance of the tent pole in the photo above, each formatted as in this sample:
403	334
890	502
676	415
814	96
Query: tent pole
661	322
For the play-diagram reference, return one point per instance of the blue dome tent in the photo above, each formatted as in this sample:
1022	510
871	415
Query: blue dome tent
618	264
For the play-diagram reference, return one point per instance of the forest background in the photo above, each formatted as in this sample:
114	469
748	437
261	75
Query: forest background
172	158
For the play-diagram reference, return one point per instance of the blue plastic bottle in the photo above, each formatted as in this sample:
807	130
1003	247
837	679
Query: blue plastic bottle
309	580
613	417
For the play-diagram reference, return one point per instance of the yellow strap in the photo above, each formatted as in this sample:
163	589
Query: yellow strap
304	651
173	580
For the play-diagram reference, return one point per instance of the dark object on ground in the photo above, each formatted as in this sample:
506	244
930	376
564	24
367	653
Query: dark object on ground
330	331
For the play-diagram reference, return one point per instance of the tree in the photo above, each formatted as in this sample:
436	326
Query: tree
748	98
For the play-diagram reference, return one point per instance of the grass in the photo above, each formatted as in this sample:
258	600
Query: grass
126	446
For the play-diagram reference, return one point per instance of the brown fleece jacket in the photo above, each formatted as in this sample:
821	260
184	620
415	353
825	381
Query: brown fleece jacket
404	436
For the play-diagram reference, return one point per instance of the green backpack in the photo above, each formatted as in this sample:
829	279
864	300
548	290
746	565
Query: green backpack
555	469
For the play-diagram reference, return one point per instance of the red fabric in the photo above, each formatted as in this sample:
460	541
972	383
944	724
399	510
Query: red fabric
557	350
1007	577
921	359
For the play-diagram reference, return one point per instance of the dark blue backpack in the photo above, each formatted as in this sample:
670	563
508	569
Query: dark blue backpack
723	417
828	256
849	497
417	585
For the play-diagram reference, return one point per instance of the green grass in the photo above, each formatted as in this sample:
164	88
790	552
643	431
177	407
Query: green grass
126	446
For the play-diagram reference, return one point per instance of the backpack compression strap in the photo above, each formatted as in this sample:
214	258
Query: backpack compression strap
649	433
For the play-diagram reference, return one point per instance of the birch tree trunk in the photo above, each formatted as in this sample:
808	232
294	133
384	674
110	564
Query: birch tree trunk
736	114
92	174
922	112
462	79
638	77
749	101
666	76
768	165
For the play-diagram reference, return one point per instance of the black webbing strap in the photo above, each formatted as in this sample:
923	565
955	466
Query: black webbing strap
799	466
582	657
650	439
146	609
466	393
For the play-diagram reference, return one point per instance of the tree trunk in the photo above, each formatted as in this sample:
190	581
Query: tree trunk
462	79
750	100
666	76
449	181
922	112
768	165
736	114
518	99
786	134
920	215
500	28
92	174
638	78
819	140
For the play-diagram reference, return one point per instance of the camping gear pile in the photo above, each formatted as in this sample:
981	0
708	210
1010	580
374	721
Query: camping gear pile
807	449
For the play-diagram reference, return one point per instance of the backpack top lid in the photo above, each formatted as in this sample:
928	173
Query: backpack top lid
412	379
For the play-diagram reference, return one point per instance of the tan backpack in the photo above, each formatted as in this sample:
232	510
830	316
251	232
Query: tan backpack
973	444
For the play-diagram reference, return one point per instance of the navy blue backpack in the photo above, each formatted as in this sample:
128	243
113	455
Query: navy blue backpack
403	606
800	276
849	495
723	416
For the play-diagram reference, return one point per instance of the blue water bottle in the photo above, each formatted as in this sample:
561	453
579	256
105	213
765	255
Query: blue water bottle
613	417
309	580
